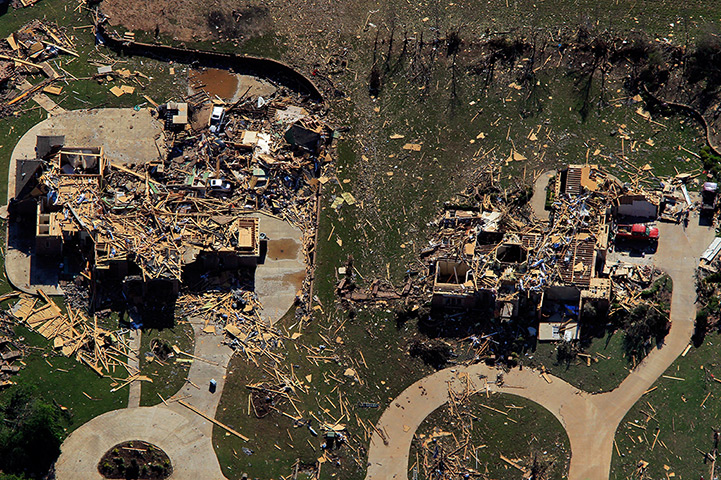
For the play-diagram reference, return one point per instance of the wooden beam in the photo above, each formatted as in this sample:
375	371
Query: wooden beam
24	62
211	419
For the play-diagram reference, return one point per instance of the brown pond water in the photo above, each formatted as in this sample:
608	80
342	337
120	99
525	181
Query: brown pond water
214	81
283	249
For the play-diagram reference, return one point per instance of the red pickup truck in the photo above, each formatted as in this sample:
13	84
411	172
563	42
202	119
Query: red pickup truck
637	231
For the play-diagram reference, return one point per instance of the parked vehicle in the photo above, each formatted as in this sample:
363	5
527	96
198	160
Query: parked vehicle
217	118
709	197
219	185
637	231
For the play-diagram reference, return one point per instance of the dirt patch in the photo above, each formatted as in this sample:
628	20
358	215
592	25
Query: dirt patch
283	249
240	22
214	81
135	460
187	21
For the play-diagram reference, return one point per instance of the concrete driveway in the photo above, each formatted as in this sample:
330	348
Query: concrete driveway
280	275
184	435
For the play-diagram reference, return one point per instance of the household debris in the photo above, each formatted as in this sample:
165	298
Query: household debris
12	349
26	53
75	335
180	235
160	220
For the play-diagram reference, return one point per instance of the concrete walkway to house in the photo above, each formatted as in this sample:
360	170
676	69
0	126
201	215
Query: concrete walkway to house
134	362
538	200
590	420
181	433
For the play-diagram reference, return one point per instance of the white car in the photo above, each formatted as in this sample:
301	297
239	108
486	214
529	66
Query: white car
216	119
219	185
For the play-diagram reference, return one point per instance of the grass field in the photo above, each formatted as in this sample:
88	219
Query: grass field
683	411
169	377
601	376
66	382
526	432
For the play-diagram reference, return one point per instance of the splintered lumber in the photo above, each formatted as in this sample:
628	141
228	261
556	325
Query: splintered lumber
514	464
61	48
494	409
211	419
26	93
655	439
131	172
180	352
19	60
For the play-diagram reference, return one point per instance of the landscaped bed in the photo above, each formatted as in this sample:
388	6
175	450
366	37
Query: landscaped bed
135	460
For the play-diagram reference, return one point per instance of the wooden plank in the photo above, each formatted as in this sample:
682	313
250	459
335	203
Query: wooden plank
21	61
211	419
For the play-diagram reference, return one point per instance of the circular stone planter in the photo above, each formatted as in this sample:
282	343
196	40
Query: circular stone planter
135	460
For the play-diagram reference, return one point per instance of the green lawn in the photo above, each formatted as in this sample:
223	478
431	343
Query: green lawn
525	432
65	382
683	413
601	376
169	377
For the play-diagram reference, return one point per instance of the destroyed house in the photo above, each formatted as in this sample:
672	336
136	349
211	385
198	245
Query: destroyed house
505	260
161	244
158	240
454	286
67	212
577	179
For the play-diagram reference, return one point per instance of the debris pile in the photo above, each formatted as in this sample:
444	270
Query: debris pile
493	253
196	205
73	334
25	53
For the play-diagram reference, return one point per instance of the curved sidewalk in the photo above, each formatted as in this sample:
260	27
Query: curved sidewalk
179	435
388	458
